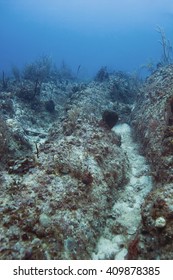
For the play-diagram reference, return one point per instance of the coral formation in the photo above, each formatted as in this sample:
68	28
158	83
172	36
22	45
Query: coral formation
152	121
55	200
74	183
110	118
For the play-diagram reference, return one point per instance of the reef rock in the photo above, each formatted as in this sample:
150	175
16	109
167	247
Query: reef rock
152	120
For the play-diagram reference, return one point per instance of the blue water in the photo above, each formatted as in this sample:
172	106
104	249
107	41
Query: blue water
90	33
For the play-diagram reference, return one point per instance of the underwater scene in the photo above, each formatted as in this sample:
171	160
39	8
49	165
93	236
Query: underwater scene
86	130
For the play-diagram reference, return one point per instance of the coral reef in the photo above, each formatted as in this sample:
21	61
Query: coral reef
152	121
74	183
55	200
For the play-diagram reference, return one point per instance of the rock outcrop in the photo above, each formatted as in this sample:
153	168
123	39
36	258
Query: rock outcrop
152	121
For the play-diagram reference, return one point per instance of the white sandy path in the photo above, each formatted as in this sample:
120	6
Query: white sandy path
126	210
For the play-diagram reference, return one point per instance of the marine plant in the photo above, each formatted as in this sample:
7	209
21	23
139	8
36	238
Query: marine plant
38	70
16	73
166	47
4	137
102	75
30	90
4	81
65	73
